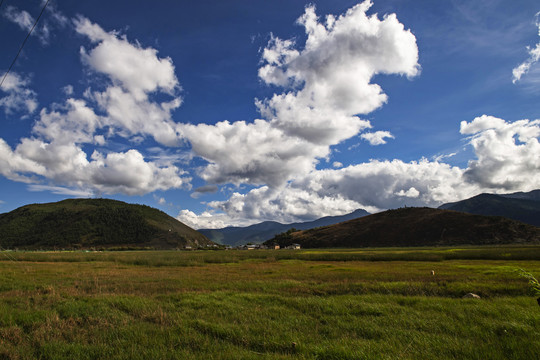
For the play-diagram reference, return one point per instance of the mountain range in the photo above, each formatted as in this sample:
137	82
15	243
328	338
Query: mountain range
519	206
104	223
258	233
94	223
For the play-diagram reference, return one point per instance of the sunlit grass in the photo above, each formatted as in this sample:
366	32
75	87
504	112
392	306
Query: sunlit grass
269	305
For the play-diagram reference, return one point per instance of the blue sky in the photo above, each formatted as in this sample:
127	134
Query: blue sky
230	113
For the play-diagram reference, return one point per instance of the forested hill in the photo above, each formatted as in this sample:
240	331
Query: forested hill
94	223
415	227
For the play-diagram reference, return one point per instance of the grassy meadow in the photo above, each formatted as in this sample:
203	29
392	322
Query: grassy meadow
267	304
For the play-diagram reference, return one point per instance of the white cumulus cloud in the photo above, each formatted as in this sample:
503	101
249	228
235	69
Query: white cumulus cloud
130	174
377	138
372	186
18	96
207	220
56	153
411	193
327	82
73	122
508	153
139	70
255	152
68	165
135	73
507	159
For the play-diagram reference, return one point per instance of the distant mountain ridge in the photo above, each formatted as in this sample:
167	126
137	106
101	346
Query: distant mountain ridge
261	232
531	195
415	227
519	206
94	223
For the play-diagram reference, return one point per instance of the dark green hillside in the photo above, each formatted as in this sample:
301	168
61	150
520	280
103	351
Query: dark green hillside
91	223
416	227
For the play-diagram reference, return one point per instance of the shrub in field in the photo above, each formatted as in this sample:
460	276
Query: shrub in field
534	285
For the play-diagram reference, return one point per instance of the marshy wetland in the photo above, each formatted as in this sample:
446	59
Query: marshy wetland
264	304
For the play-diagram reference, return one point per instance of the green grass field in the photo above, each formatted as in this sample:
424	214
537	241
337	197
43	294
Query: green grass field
307	304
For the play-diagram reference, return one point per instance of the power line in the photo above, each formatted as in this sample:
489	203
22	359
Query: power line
24	42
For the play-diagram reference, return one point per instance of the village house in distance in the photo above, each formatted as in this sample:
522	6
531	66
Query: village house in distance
264	247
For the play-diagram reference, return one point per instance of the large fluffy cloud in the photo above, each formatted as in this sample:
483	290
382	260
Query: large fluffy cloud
73	122
508	154
127	116
373	186
136	74
18	167
67	164
507	159
322	88
328	83
130	174
251	152
140	71
58	153
332	74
